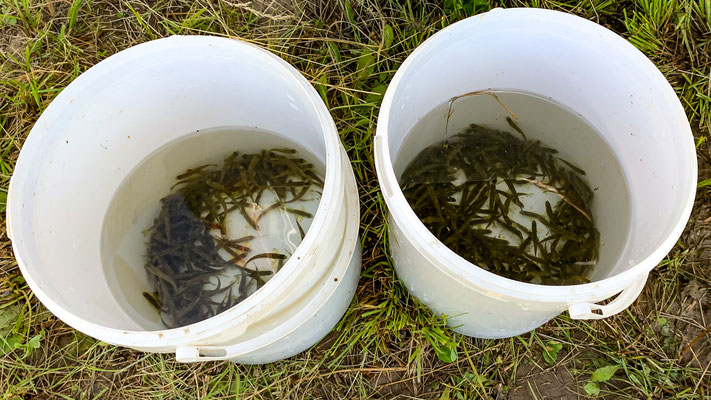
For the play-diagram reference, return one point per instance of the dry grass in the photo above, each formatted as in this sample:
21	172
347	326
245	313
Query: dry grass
387	344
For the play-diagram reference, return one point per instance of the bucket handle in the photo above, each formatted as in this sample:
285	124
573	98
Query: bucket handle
622	301
186	354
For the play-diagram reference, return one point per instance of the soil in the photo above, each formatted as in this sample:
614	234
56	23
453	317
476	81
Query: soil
558	383
692	325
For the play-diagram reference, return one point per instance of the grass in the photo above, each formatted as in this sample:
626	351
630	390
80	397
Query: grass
387	345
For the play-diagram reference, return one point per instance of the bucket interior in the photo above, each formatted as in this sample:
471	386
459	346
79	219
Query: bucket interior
114	116
137	202
584	68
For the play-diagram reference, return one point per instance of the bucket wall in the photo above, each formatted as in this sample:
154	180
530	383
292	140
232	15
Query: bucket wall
586	68
120	111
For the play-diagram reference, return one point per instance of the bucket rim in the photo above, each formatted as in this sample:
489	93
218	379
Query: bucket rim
450	262
321	227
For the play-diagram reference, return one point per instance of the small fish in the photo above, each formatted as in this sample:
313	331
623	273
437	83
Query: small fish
193	171
301	230
300	213
515	126
243	239
284	150
573	167
152	300
266	210
250	221
275	256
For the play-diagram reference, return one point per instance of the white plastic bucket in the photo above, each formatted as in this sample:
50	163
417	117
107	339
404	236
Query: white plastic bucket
587	68
119	112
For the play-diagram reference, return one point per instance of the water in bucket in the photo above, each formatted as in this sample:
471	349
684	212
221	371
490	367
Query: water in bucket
205	221
505	193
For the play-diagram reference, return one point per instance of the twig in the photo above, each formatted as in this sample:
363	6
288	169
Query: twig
476	93
693	342
554	190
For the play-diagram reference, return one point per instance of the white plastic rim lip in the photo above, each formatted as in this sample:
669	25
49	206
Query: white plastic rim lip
190	334
447	260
